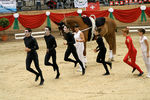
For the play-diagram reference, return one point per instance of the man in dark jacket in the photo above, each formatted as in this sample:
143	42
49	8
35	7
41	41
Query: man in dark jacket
30	47
51	45
71	49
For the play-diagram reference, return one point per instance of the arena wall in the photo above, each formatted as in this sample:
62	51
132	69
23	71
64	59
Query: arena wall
10	31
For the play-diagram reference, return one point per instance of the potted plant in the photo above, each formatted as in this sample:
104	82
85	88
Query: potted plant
4	22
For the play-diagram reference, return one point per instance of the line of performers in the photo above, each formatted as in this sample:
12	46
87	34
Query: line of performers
75	46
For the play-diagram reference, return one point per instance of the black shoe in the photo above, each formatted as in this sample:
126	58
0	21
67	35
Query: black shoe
75	64
106	74
37	77
83	71
42	82
141	74
57	76
133	70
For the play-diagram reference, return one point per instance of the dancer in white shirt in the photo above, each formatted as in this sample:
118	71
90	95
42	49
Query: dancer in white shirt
145	49
79	38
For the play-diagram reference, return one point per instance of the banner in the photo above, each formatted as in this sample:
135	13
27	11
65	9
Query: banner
8	6
80	3
92	6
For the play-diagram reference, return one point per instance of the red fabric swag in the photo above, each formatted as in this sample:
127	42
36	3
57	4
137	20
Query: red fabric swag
127	16
147	11
97	14
32	21
57	17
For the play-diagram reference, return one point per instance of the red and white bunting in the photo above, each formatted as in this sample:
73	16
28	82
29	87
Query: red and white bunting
121	2
135	1
116	2
140	1
126	1
130	1
111	3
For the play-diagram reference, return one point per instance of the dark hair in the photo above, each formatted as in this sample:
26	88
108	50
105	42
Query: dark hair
126	30
49	28
141	30
29	29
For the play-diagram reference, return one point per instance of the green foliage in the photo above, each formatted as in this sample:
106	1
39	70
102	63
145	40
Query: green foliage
4	22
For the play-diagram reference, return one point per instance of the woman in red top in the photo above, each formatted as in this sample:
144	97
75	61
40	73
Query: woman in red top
131	53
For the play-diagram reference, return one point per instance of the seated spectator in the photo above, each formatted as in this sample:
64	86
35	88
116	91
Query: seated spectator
19	2
51	4
60	3
38	4
68	3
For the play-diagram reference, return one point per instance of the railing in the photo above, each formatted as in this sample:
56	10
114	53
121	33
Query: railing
34	34
135	28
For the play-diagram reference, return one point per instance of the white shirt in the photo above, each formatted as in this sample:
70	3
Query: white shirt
77	37
142	42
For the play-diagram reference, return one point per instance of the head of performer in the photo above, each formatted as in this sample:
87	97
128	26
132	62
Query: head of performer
125	32
28	32
141	31
96	34
47	30
66	28
76	28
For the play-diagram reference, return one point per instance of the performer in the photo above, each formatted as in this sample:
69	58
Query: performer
79	38
30	47
51	52
131	53
71	49
102	52
145	49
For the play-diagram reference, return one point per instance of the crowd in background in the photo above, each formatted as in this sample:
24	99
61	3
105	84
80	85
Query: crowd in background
61	4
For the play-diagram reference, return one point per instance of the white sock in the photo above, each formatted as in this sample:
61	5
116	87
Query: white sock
110	54
85	59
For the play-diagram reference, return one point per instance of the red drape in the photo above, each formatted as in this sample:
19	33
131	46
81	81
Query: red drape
32	21
11	20
147	11
127	16
60	16
57	17
97	14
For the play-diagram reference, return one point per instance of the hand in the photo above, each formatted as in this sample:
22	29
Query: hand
95	50
27	49
78	40
65	43
47	50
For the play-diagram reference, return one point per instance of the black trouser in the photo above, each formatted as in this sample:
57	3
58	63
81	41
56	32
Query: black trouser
72	49
47	58
101	59
33	56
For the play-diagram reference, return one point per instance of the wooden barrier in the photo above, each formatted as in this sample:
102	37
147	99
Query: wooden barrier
135	28
34	34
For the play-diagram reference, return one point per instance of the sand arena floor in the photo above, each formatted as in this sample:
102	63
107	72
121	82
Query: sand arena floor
18	84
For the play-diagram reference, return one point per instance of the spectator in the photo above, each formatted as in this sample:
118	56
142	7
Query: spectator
38	4
51	4
60	3
19	2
